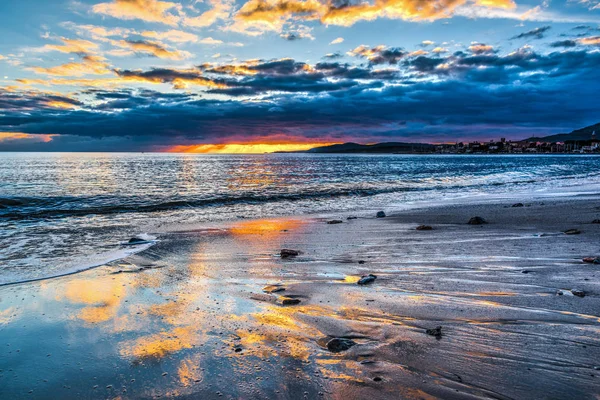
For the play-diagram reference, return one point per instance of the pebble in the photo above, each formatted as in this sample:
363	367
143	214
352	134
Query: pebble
380	214
578	292
437	332
285	253
337	345
287	301
477	221
273	289
366	279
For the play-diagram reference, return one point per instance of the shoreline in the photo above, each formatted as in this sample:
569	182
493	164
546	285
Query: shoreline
565	193
168	322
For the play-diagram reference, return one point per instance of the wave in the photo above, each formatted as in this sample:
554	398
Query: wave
34	209
97	260
31	208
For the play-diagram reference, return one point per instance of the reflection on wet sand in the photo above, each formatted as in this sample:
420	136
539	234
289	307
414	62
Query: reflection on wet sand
160	344
102	297
186	328
260	230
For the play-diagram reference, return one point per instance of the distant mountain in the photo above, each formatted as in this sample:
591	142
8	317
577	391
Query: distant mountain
390	147
579	134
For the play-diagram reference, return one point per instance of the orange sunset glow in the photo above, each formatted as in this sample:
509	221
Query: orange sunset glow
247	148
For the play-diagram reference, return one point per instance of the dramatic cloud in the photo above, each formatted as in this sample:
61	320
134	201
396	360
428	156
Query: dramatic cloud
180	79
379	54
479	48
90	65
537	33
564	43
155	49
74	46
220	10
33	101
590	41
297	32
146	10
172	36
272	13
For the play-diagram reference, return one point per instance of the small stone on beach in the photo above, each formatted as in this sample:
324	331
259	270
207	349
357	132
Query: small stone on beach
351	217
285	253
578	292
380	214
592	260
135	240
424	228
366	279
288	301
334	222
596	221
477	221
572	232
337	345
437	332
273	289
518	205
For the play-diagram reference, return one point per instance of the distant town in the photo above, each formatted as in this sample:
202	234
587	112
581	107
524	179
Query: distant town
592	145
581	141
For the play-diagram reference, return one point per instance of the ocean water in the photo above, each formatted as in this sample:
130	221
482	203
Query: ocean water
62	212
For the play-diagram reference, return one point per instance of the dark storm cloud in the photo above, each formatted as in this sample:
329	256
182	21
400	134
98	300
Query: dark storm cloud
380	54
441	96
388	56
537	33
496	69
255	78
564	43
166	75
10	101
424	64
333	56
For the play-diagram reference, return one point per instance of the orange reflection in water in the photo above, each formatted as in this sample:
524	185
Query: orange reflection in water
162	343
103	295
267	229
188	372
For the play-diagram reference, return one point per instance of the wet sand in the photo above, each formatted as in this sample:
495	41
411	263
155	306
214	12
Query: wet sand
188	317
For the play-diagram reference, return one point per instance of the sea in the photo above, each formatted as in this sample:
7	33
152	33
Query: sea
65	212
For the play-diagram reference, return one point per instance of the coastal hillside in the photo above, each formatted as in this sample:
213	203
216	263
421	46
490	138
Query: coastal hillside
578	134
401	147
390	147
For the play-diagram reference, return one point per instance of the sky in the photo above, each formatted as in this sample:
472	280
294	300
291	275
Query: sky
212	75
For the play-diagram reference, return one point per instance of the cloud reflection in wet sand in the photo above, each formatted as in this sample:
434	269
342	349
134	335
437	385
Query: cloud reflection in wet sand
195	319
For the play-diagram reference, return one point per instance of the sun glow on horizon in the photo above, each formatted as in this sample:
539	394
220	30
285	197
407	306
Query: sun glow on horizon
245	148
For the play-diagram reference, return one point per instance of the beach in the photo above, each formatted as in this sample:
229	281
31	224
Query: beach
189	316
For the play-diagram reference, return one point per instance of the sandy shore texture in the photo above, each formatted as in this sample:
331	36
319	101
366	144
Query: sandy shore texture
188	318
